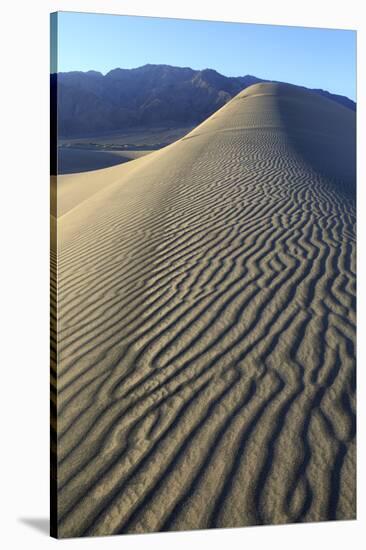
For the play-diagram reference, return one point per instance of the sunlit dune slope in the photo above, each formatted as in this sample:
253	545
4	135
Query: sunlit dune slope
206	315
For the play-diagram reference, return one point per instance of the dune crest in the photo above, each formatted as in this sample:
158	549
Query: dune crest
206	317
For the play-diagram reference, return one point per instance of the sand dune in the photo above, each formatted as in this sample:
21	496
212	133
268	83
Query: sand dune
206	317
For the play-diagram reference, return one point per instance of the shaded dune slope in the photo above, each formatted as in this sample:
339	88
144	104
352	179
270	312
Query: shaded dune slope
206	315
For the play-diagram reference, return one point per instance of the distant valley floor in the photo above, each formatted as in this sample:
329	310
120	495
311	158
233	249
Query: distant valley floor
84	154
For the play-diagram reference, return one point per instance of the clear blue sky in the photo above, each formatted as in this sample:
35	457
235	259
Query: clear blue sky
316	58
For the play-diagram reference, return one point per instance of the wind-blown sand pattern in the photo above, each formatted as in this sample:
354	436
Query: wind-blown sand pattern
206	318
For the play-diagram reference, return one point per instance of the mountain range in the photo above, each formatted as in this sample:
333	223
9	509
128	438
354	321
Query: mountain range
90	103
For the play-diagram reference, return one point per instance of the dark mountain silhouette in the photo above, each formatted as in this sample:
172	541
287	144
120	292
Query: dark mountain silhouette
92	103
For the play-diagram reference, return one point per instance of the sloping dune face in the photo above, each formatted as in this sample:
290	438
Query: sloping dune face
206	313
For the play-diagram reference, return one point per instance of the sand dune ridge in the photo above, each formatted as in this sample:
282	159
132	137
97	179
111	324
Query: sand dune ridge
206	317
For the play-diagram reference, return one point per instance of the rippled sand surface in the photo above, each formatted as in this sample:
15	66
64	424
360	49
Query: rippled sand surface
206	318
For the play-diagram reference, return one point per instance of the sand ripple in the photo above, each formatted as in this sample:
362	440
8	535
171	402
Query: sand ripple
206	318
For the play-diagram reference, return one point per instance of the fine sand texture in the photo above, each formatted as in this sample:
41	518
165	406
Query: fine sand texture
206	326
